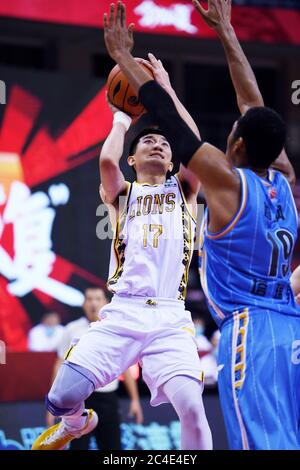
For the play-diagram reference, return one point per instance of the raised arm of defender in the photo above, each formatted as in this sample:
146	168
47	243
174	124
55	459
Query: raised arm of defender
119	43
218	17
187	178
221	184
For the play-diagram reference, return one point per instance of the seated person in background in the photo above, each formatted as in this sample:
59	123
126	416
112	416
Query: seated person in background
46	335
205	352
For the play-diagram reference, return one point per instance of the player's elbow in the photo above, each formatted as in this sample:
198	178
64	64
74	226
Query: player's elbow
107	163
246	103
109	169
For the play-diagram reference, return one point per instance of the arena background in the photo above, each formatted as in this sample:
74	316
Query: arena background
55	119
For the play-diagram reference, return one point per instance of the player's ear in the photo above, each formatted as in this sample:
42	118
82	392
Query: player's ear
239	146
171	166
131	160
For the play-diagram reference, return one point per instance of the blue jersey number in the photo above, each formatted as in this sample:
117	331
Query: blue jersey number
282	242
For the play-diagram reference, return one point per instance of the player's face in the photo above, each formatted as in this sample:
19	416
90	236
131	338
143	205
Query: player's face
52	319
153	152
94	300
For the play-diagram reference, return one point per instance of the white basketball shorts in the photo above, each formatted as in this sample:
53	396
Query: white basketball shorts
157	333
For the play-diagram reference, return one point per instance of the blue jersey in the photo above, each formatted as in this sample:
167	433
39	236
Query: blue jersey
247	264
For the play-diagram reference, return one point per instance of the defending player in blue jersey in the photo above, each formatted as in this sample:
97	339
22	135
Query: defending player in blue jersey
248	238
245	272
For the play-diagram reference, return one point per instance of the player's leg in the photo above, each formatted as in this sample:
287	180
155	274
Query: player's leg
107	433
98	358
296	367
293	358
256	381
185	394
234	424
72	385
170	362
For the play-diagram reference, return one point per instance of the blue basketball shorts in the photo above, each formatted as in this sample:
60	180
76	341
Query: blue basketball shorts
259	380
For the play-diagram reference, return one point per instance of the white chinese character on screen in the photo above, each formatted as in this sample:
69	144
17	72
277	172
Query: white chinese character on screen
31	264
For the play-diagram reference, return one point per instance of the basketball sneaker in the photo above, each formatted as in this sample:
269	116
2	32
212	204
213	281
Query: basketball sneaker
57	437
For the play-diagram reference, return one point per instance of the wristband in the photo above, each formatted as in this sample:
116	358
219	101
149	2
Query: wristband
122	118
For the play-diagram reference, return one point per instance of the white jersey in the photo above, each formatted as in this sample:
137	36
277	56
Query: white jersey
153	244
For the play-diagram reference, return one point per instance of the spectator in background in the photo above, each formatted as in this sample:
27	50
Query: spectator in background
46	335
215	338
104	400
206	352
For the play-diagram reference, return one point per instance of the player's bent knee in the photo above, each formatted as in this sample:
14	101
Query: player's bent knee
192	413
65	398
54	405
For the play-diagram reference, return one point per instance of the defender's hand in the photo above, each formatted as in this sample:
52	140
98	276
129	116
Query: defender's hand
118	38
218	14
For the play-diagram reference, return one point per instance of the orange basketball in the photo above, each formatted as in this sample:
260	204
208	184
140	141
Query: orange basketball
121	94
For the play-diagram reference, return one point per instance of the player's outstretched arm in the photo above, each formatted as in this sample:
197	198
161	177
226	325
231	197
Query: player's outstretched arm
163	79
112	180
119	43
209	164
190	182
220	182
218	17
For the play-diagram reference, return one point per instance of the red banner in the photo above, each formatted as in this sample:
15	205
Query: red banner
15	372
277	25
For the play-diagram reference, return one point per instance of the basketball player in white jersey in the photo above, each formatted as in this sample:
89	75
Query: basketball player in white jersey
146	320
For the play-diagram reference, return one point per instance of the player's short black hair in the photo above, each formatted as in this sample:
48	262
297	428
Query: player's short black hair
146	131
263	132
